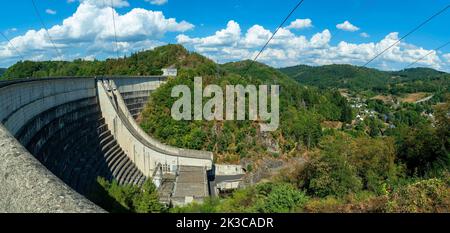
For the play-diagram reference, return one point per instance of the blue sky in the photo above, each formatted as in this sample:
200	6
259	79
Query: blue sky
231	30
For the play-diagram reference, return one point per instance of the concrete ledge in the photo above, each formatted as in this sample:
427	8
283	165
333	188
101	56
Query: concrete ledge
27	186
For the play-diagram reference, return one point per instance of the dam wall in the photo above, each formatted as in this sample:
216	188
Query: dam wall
135	91
58	135
146	152
27	185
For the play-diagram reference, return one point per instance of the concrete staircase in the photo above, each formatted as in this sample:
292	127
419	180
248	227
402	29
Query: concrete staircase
191	182
167	188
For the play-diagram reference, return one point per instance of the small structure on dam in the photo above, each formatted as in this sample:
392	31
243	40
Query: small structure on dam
57	135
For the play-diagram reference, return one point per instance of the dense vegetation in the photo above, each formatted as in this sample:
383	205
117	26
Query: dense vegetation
399	173
127	198
302	109
370	167
363	79
2	70
264	198
385	156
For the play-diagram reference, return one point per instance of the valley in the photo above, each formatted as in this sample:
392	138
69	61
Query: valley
350	139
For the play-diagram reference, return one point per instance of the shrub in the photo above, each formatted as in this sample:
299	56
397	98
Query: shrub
209	205
130	198
347	164
330	175
282	198
432	195
262	198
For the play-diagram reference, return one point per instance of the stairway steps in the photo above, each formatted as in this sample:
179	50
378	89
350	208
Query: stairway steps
116	169
114	163
104	136
123	171
141	181
137	179
132	175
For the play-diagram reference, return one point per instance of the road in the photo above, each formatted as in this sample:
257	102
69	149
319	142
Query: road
424	99
220	179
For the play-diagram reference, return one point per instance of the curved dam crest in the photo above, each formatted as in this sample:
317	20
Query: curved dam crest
57	135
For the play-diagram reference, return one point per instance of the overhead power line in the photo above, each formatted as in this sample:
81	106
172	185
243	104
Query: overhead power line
114	25
273	35
45	27
426	55
407	34
12	45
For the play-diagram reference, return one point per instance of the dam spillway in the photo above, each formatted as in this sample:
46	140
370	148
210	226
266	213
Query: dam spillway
57	135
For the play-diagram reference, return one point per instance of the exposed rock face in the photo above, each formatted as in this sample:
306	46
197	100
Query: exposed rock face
271	144
266	168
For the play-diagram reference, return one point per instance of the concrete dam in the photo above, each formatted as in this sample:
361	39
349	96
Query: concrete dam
57	135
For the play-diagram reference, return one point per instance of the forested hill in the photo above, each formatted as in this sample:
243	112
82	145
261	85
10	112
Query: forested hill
336	76
359	78
302	110
419	73
147	62
2	70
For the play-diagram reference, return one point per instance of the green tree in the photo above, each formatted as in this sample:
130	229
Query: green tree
423	151
328	175
282	198
374	125
147	201
130	198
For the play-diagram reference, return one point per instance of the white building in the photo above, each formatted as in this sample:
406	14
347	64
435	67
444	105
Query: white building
169	72
228	170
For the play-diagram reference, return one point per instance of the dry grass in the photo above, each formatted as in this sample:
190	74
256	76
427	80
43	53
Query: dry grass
413	97
384	98
332	124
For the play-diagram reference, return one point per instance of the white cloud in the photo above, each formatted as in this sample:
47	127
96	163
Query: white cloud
364	34
50	12
90	29
447	57
289	49
157	2
10	30
321	40
347	26
105	3
300	24
256	36
224	37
